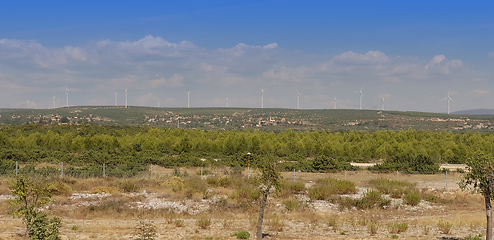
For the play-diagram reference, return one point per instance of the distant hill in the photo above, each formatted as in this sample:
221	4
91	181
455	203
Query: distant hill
266	119
481	111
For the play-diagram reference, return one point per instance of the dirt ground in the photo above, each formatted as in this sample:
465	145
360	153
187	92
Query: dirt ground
318	220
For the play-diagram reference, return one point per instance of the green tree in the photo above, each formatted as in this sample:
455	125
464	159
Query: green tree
480	177
29	197
269	178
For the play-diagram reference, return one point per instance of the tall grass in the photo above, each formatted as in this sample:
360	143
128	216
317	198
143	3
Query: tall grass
326	187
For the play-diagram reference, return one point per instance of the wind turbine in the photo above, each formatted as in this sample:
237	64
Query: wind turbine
126	98
54	106
262	98
361	95
116	98
27	104
382	99
334	98
449	99
188	99
298	100
67	95
226	101
158	103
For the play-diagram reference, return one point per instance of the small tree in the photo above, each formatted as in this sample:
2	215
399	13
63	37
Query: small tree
480	177
269	178
29	197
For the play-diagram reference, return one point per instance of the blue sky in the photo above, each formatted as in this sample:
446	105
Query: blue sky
409	52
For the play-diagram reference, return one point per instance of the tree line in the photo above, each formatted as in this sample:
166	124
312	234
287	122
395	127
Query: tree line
144	145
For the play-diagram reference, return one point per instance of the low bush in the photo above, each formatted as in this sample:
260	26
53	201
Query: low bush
407	163
179	223
128	186
292	204
292	187
370	199
203	222
398	227
373	227
222	181
412	198
59	188
392	187
444	227
323	189
242	235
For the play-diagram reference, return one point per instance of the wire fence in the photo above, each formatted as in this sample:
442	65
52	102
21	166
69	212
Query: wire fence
106	170
136	170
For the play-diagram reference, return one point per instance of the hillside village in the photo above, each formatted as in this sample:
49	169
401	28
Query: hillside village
240	119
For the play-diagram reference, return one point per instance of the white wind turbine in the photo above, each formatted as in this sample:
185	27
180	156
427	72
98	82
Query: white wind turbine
226	101
334	98
67	96
188	99
262	98
361	95
116	98
158	103
54	106
382	108
449	99
126	98
298	100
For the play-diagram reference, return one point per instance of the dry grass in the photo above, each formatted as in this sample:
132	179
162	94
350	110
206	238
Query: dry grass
109	218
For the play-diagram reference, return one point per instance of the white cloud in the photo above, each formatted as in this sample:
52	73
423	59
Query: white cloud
440	64
153	68
371	57
146	100
174	81
291	74
480	93
271	46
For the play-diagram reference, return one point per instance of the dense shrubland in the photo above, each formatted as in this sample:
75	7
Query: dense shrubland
306	151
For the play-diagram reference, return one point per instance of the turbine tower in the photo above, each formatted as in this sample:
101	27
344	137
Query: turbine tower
361	95
382	99
188	99
158	103
227	102
27	104
126	98
116	99
449	99
334	98
54	106
298	100
262	98
67	95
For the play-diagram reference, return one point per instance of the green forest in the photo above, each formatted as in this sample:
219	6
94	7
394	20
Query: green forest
306	151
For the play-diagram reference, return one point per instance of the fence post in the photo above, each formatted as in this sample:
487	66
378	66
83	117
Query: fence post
345	175
16	168
151	171
446	180
397	176
103	170
294	174
62	171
